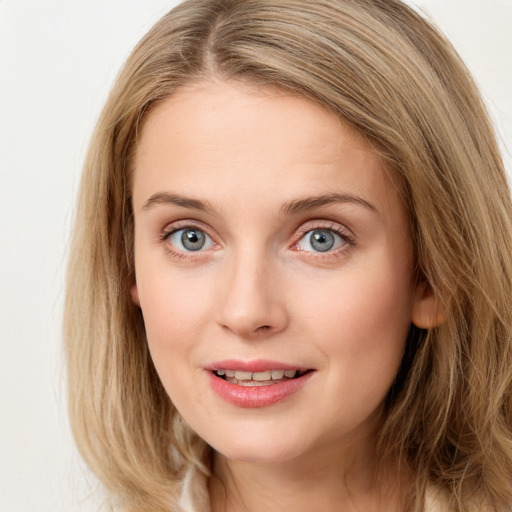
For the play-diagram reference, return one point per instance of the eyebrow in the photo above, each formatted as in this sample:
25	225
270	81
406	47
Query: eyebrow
310	203
164	198
289	208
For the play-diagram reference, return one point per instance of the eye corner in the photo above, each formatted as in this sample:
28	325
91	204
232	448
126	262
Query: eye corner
322	240
187	239
335	238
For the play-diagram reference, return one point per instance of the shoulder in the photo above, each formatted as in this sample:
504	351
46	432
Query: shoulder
436	500
194	492
194	496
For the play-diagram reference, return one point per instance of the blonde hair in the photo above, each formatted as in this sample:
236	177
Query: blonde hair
378	65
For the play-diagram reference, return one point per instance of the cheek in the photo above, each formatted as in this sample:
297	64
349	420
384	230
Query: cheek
173	317
175	312
367	300
364	333
361	323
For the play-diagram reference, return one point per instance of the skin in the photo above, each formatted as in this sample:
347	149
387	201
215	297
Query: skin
258	290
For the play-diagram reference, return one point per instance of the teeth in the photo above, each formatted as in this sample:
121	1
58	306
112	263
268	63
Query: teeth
277	374
240	375
254	383
261	376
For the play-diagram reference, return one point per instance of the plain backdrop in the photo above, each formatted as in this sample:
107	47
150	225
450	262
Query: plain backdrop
58	59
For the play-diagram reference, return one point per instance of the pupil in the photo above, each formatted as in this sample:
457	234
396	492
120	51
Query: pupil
322	240
193	239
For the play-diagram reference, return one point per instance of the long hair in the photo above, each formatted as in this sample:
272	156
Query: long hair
382	68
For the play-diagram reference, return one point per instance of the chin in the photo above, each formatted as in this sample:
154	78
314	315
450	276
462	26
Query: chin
259	450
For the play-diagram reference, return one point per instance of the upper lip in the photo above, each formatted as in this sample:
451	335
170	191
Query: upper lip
257	365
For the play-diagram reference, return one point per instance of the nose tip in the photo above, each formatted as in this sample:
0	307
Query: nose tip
250	325
253	305
254	319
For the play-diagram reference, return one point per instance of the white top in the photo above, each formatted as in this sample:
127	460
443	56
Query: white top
194	496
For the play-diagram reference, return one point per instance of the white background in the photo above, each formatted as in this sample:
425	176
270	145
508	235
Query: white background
57	61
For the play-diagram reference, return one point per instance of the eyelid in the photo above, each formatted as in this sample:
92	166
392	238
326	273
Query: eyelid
330	225
341	230
321	224
175	241
173	227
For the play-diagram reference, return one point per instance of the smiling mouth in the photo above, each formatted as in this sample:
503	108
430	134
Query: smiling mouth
266	378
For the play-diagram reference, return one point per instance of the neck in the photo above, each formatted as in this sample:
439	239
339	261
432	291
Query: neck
326	480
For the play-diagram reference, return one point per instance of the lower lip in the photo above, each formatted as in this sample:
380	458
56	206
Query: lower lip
256	396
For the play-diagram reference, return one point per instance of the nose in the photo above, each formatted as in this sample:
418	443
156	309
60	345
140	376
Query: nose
253	302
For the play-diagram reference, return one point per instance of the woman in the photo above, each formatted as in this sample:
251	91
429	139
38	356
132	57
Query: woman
290	280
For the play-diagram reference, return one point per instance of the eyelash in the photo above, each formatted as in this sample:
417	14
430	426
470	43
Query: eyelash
180	226
310	226
318	225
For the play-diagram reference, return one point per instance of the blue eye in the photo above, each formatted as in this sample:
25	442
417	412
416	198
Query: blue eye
321	240
190	240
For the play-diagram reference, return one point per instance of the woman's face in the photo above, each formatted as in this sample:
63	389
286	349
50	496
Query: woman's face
269	239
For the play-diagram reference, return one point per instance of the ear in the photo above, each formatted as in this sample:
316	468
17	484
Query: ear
427	312
135	294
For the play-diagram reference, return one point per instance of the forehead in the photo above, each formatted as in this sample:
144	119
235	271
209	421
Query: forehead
221	140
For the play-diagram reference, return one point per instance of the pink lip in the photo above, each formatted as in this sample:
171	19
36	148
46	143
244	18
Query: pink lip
256	396
258	365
